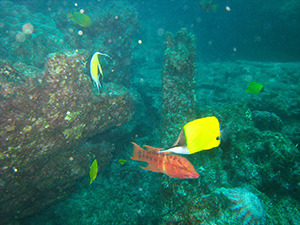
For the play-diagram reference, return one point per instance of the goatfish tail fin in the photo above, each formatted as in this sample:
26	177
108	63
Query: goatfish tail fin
138	153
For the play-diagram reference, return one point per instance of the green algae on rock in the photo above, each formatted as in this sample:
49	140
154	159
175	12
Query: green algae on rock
41	116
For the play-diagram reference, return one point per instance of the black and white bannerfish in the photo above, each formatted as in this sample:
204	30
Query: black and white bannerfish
96	69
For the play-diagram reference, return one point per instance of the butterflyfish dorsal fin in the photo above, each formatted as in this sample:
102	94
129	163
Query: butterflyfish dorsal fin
176	147
181	141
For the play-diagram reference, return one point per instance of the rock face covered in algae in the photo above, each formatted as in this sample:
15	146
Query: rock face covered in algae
43	118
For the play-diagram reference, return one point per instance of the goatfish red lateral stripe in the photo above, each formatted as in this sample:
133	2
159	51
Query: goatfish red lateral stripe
172	165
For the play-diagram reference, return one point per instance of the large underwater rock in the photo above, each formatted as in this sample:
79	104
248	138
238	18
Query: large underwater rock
44	118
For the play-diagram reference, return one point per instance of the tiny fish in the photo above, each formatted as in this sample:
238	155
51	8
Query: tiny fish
80	18
93	171
254	88
122	161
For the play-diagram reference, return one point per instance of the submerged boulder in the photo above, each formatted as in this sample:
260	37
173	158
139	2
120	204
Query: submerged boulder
44	118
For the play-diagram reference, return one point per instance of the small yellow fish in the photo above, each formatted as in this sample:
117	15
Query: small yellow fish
254	88
122	161
80	18
96	70
93	171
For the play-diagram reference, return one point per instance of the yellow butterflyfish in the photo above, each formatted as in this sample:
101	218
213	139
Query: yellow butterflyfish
254	88
197	135
80	18
93	171
96	69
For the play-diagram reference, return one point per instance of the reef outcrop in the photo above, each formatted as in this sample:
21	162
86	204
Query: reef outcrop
44	118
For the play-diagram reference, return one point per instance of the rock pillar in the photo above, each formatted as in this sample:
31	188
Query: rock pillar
178	104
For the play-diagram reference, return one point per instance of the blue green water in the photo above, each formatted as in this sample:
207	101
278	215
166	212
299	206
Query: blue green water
54	121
